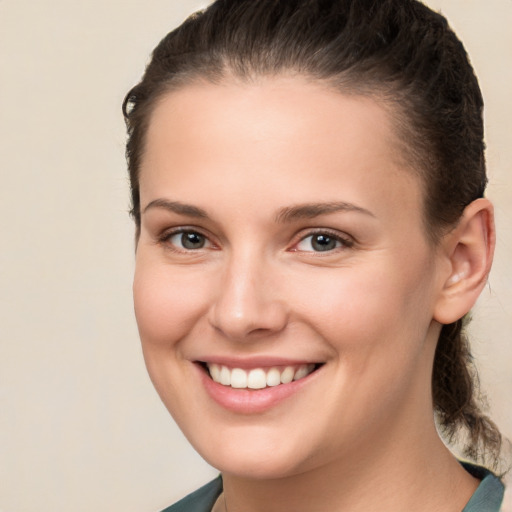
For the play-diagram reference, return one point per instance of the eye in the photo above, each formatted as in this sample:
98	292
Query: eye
187	240
322	242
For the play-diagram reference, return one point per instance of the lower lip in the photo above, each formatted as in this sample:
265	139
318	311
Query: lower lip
251	401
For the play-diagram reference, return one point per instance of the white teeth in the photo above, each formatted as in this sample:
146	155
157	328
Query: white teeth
287	375
258	378
225	376
238	378
273	377
215	372
302	372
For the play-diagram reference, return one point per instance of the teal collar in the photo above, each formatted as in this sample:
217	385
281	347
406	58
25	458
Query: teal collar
487	497
489	494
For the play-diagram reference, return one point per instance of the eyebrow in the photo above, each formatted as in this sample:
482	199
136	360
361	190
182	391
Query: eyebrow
287	214
177	207
312	210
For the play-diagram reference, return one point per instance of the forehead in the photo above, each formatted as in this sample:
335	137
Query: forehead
270	137
266	107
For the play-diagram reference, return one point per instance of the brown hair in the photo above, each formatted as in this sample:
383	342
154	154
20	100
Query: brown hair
397	51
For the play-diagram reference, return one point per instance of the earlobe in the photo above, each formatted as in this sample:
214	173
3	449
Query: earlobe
469	249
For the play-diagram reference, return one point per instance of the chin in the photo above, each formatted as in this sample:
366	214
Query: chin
258	467
255	457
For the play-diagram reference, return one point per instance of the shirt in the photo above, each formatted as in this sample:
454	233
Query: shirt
487	497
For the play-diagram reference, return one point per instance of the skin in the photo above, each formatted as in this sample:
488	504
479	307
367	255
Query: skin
369	310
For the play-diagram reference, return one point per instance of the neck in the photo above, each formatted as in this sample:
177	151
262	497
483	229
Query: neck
396	474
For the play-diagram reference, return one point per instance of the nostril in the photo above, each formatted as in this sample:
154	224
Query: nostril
256	319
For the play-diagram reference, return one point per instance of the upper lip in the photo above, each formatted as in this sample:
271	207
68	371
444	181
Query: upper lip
254	361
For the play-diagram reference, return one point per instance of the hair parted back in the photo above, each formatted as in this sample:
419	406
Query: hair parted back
397	51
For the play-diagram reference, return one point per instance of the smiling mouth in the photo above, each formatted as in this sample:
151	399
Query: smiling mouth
258	378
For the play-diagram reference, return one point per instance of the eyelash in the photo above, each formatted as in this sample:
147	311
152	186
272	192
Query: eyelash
344	242
165	239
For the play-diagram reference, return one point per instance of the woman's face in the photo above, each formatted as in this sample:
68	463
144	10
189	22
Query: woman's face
282	238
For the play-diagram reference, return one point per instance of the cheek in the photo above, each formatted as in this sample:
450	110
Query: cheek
378	308
377	326
167	304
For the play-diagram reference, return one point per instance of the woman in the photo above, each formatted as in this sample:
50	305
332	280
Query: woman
307	183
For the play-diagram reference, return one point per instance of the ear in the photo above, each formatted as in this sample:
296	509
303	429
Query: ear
468	250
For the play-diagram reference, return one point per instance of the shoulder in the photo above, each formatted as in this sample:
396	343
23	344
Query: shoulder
201	500
489	495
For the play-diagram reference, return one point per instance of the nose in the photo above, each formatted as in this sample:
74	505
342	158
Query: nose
246	305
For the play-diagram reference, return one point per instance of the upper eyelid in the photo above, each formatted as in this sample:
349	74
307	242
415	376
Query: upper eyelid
346	241
305	233
166	234
301	235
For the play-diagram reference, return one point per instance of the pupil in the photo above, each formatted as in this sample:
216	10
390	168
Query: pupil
192	240
323	243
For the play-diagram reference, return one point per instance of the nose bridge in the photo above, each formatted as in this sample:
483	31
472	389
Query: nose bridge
247	301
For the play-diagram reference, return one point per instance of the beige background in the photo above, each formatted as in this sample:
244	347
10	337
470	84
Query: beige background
80	425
